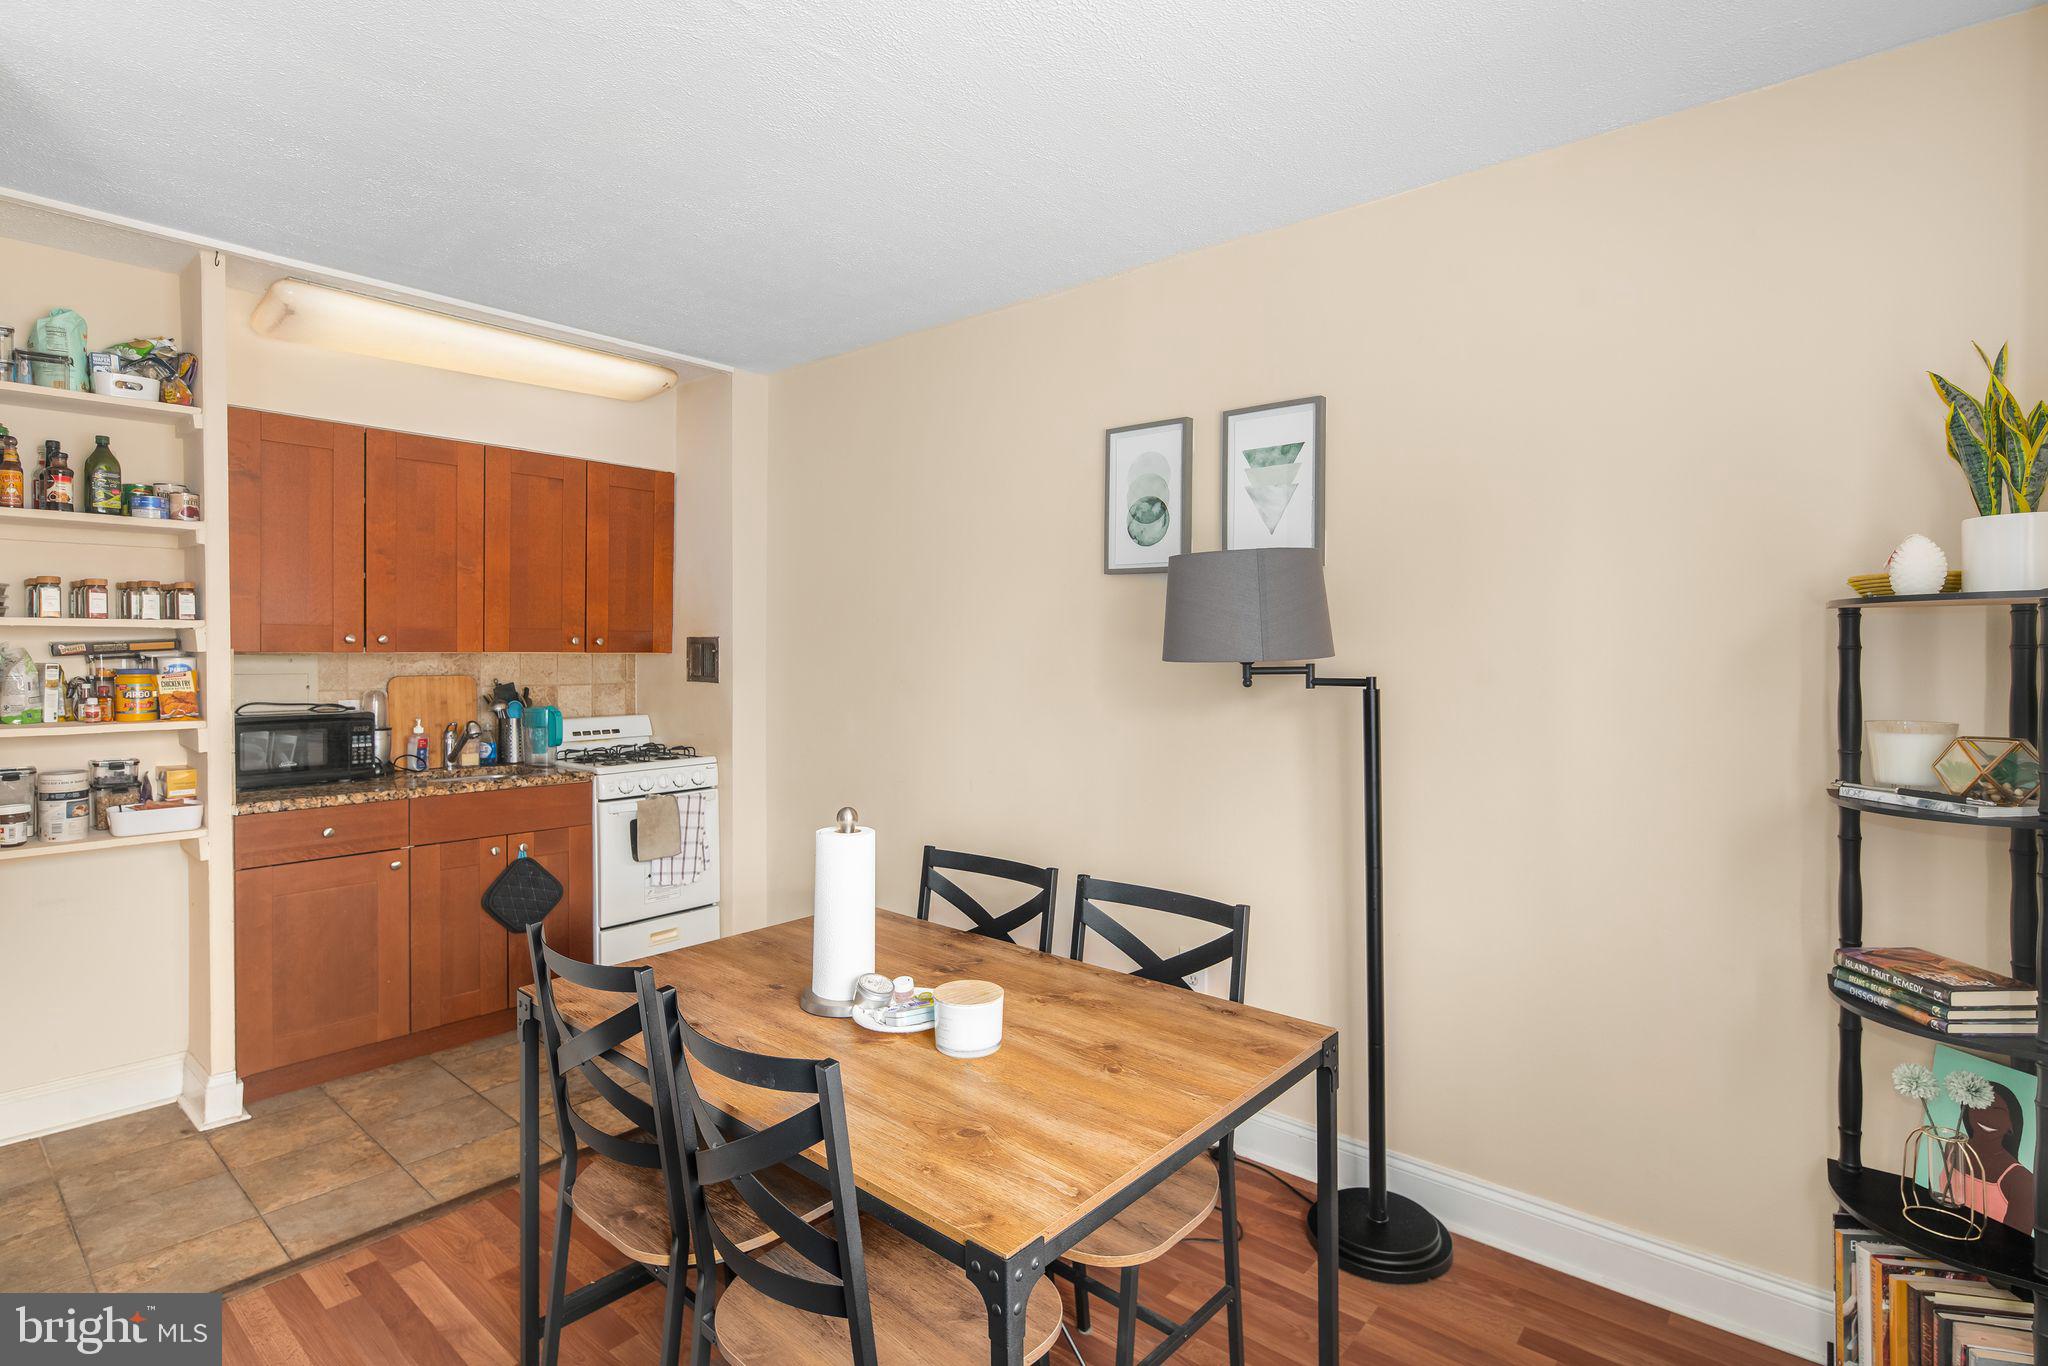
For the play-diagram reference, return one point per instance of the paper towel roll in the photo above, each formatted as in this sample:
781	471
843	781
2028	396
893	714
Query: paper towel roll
843	912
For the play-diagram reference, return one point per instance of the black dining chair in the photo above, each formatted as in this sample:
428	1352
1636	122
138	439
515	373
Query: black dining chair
1177	1206
1043	882
632	1190
862	1292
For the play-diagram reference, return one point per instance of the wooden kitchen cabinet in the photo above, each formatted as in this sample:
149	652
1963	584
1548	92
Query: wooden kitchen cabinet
295	533
533	552
458	952
631	517
569	927
423	543
321	952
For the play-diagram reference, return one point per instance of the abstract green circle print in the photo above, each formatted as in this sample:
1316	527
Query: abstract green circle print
1145	501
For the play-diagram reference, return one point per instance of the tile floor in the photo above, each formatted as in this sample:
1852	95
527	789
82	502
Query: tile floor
146	1202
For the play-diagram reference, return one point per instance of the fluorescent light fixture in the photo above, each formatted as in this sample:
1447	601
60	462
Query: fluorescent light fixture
299	311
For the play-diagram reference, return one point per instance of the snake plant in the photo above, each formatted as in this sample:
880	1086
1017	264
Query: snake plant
1997	446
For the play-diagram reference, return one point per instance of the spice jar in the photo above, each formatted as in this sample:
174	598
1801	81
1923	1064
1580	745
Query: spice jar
114	782
89	599
45	593
142	600
181	601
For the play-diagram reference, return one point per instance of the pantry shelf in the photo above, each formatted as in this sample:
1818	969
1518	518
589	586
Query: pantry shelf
64	627
47	729
97	841
99	405
31	524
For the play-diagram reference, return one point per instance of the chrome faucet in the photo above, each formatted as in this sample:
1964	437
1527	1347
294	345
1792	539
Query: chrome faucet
453	742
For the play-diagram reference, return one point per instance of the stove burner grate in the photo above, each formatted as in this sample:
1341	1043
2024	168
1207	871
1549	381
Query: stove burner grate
613	756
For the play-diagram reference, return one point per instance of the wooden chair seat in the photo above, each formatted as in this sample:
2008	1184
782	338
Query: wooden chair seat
925	1312
1164	1215
627	1206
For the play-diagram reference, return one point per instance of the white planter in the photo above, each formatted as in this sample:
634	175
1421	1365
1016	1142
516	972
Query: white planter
2005	554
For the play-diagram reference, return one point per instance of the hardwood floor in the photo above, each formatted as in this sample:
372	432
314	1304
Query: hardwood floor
442	1293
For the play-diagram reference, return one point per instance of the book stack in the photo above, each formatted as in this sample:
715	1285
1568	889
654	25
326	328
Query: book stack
1894	1307
1937	992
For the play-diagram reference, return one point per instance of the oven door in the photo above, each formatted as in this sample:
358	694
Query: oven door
287	749
625	889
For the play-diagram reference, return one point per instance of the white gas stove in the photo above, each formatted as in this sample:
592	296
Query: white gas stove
640	912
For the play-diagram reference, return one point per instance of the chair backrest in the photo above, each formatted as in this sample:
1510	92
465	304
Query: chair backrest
1089	914
716	1158
649	1014
1043	882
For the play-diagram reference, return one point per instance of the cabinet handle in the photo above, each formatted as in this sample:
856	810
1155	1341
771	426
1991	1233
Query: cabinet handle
383	640
328	833
659	936
494	851
398	863
522	851
600	640
575	640
348	640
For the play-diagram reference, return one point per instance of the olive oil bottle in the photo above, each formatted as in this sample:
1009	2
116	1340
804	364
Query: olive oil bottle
102	480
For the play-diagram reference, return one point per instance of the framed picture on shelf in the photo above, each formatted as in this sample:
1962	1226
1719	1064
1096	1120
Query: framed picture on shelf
1147	469
2001	1136
1273	475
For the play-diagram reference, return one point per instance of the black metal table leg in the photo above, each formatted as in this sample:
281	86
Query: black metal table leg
529	1184
1006	1285
1326	1207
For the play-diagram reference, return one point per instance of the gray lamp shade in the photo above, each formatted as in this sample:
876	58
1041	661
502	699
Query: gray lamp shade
1245	606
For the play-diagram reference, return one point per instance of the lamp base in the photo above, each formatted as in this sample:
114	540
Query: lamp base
1412	1245
821	1005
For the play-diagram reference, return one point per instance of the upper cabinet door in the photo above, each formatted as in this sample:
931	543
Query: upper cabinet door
632	521
533	552
295	533
423	543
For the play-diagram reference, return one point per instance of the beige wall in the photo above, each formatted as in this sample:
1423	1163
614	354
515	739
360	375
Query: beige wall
1607	426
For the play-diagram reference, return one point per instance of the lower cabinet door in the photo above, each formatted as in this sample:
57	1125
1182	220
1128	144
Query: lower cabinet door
320	958
570	928
458	952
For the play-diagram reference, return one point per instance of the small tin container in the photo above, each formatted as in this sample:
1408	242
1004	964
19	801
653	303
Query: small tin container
134	696
872	990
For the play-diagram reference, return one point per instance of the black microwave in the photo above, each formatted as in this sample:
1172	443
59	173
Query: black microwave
284	748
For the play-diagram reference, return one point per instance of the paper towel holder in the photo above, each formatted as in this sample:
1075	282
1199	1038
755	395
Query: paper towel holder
845	821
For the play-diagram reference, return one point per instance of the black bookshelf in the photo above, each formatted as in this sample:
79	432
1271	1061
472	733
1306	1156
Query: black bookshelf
2004	1256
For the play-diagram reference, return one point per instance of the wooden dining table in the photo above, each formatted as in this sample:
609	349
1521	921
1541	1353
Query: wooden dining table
1104	1086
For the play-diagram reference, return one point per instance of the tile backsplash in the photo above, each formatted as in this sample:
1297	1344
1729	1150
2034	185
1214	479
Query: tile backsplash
581	685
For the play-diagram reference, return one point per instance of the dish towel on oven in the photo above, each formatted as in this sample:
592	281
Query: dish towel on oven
673	841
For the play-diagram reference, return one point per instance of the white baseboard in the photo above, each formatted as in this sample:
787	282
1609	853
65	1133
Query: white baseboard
53	1106
1759	1305
211	1100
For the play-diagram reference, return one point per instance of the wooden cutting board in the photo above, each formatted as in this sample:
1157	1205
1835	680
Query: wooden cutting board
436	699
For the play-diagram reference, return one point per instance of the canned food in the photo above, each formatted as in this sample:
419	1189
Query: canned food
149	505
184	506
63	806
134	696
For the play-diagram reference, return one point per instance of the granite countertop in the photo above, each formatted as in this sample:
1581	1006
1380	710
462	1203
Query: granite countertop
399	787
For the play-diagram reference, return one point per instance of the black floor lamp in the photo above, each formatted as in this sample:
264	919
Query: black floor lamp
1243	607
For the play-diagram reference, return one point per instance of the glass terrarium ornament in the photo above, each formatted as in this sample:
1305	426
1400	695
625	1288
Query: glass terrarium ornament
1997	769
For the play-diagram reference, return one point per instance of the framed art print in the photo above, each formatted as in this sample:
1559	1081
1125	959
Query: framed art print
1273	476
1146	502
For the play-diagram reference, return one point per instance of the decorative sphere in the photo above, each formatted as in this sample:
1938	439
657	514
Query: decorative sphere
1917	566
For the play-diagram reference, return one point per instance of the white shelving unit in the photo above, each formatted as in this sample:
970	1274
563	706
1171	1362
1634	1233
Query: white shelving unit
80	528
100	841
99	405
63	628
110	730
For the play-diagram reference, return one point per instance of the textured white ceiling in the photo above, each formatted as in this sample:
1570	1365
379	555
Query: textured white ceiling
761	182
